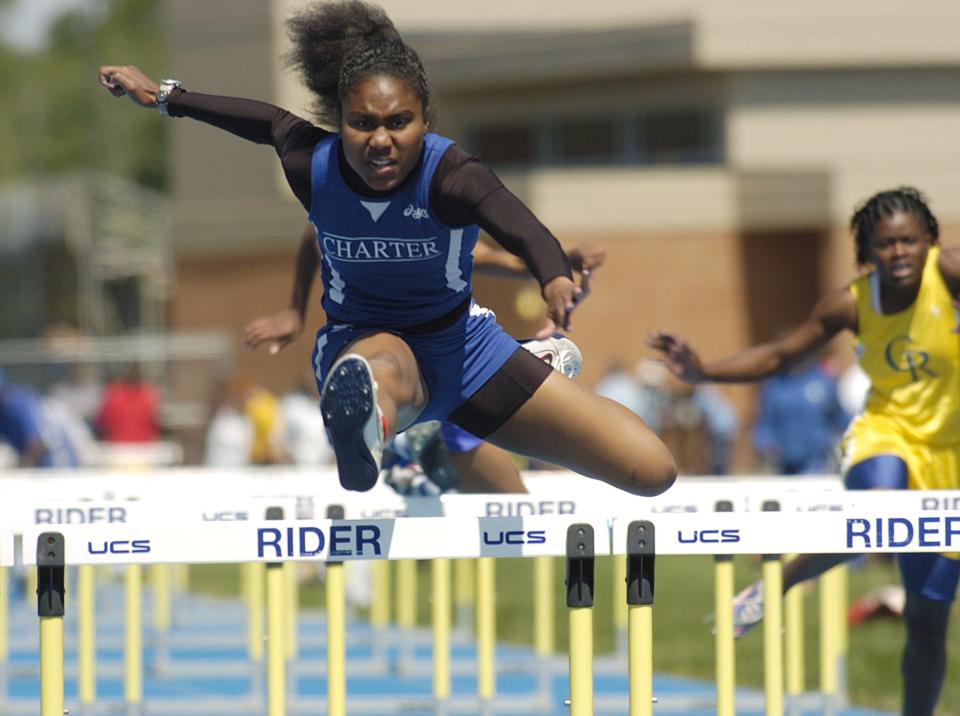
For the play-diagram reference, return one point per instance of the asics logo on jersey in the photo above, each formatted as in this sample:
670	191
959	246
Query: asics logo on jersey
901	358
362	249
415	212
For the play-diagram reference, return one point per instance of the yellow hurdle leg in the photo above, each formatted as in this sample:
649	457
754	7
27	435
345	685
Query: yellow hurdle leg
86	635
793	641
440	573
380	606
486	628
725	655
292	609
336	641
619	603
51	666
406	593
640	659
581	661
276	650
773	635
254	578
544	638
464	574
133	637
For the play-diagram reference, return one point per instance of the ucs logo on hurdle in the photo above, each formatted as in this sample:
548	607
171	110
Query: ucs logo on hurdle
497	537
726	536
119	546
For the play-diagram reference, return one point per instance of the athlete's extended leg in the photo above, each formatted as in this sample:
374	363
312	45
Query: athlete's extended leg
880	472
565	424
924	660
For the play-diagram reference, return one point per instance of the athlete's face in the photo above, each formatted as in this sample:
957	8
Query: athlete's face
899	248
382	127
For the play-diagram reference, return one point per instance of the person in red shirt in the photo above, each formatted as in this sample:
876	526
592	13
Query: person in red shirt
129	410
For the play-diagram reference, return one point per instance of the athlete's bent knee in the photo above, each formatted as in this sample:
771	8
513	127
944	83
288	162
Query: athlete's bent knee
653	475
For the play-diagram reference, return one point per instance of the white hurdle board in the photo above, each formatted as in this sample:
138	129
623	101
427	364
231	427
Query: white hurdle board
881	528
318	540
26	512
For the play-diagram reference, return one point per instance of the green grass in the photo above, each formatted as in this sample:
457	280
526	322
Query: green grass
683	643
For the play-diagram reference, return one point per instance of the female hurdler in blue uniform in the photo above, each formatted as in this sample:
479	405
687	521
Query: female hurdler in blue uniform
397	211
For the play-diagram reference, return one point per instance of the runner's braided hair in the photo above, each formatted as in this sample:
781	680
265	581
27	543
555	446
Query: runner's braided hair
338	44
886	203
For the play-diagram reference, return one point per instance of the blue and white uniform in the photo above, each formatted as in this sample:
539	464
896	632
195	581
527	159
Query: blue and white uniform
389	264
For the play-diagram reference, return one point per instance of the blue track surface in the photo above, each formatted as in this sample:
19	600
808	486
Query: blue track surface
204	670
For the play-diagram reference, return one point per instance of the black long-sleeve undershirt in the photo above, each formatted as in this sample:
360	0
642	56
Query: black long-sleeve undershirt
463	190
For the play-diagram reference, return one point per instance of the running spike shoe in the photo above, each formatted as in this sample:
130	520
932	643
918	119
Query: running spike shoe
559	352
353	420
747	609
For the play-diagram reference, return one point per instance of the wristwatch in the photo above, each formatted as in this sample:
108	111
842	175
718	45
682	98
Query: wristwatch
163	95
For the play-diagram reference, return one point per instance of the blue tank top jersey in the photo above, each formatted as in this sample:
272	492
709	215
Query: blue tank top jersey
387	262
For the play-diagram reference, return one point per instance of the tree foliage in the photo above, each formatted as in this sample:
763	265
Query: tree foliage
56	118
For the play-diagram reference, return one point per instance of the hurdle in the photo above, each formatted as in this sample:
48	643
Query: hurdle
449	505
855	531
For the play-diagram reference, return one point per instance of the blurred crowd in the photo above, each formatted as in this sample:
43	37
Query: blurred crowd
797	422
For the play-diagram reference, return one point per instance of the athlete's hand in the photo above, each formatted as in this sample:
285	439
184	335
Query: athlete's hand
681	360
586	257
562	296
128	80
280	329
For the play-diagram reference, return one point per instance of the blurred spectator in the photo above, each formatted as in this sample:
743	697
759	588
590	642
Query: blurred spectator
722	424
305	438
800	421
130	409
698	420
229	440
632	392
28	428
262	409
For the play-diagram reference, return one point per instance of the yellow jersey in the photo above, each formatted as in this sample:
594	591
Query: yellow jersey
912	357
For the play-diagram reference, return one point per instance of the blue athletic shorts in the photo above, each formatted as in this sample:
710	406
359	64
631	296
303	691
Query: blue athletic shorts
454	362
930	575
457	439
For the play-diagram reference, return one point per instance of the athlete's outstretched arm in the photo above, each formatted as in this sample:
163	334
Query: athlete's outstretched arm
832	314
284	327
293	137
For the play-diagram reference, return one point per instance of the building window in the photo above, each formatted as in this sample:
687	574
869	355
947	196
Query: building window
669	136
586	140
679	136
507	144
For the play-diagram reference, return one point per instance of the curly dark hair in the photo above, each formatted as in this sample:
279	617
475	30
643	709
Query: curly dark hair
338	44
886	203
